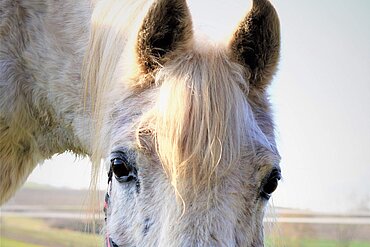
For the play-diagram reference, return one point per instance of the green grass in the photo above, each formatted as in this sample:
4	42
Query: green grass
294	242
4	242
37	231
30	232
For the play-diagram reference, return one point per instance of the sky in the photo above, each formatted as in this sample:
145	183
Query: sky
322	104
320	97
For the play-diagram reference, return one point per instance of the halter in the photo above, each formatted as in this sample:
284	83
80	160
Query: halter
108	241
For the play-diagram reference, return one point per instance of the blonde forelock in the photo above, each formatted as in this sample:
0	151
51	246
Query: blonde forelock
200	118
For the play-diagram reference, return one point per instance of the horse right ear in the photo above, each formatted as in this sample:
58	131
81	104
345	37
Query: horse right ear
256	43
166	30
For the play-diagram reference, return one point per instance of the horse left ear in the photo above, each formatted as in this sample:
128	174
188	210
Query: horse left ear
256	43
166	29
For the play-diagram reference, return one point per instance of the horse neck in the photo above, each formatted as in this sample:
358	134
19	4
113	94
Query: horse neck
42	47
54	38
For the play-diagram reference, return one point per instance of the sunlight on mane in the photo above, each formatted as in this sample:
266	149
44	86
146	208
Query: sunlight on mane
194	96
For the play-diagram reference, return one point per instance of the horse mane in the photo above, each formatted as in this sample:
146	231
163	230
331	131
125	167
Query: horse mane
200	119
112	22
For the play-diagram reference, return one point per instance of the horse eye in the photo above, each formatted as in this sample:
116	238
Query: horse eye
123	171
119	167
271	184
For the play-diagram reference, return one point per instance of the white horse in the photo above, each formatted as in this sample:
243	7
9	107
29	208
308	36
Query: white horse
184	127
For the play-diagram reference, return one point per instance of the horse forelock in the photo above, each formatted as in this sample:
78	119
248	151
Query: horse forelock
201	120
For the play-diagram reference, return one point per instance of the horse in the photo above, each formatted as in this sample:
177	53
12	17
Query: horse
183	126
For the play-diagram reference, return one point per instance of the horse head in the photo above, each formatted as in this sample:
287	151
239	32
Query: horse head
185	128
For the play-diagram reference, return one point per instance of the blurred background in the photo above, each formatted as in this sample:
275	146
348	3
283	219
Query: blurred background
321	102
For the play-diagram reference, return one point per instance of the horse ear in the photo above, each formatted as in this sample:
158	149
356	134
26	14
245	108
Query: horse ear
166	29
256	43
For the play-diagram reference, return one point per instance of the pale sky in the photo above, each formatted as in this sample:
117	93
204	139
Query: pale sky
321	99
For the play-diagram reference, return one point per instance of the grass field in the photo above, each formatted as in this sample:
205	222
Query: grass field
293	242
17	231
4	242
317	235
30	232
20	231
